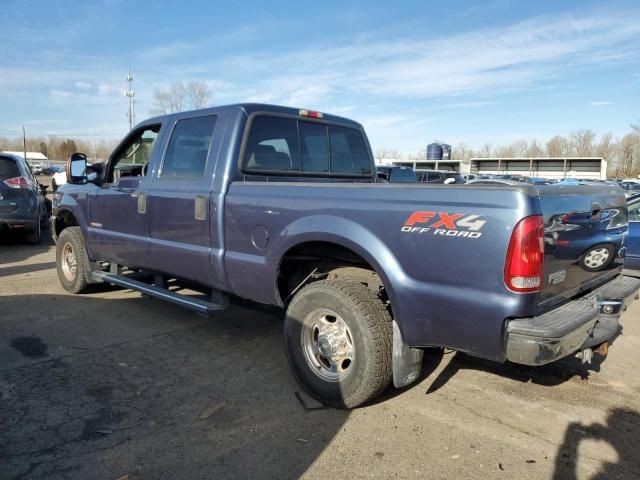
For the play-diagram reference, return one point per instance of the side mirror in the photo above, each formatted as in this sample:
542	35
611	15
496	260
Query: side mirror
77	169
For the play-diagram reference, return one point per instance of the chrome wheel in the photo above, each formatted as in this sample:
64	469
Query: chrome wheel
69	262
328	345
596	257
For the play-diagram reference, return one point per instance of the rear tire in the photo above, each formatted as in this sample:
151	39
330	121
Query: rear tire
338	340
71	260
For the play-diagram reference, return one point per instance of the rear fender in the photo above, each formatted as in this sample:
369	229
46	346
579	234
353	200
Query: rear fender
348	234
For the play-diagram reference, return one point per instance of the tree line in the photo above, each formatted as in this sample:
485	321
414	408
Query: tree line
58	148
622	154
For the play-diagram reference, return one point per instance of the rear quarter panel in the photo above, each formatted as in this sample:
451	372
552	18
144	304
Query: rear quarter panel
445	290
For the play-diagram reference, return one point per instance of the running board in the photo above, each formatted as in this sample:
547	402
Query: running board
163	294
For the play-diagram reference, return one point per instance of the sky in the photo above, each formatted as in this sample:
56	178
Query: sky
410	71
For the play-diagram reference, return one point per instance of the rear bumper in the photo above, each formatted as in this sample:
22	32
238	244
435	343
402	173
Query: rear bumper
17	224
579	324
19	214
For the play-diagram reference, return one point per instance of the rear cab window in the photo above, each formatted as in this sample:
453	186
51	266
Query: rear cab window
278	145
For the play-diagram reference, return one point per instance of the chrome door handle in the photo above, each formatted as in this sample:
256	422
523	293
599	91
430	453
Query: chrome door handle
142	201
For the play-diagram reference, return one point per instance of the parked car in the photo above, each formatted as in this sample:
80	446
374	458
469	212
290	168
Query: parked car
396	174
632	259
22	200
439	176
627	184
287	210
58	179
511	176
537	181
51	170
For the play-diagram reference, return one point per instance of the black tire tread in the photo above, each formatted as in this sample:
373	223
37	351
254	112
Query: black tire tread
80	285
378	322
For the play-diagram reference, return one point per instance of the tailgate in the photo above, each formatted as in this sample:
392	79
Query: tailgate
585	229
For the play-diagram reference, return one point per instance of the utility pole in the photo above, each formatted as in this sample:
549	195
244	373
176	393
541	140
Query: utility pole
24	144
130	93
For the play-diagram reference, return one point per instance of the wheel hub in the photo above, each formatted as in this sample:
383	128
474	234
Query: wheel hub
328	345
69	264
325	346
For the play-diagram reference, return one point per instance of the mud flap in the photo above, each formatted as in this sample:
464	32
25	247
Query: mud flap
407	361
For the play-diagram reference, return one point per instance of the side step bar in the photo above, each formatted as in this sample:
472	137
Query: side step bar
164	294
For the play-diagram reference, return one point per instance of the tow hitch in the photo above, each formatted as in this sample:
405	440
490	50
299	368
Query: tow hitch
586	355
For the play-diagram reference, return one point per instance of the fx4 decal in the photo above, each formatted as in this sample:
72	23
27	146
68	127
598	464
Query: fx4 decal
444	224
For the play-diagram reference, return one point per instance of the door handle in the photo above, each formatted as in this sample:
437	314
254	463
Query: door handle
200	212
142	201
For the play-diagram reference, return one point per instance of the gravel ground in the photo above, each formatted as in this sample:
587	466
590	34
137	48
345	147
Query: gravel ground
111	384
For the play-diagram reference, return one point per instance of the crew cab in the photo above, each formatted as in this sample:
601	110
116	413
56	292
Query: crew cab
283	206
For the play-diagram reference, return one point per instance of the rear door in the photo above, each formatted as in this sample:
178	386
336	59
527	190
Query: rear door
179	205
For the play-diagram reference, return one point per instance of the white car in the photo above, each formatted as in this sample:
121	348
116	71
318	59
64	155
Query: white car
58	179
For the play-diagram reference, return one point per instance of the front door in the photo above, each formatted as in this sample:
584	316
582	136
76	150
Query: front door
119	229
180	201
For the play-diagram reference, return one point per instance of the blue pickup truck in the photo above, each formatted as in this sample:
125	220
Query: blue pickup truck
283	206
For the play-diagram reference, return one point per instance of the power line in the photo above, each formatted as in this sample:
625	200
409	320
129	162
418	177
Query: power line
64	134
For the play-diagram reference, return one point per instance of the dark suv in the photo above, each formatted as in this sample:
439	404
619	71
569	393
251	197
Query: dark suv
22	202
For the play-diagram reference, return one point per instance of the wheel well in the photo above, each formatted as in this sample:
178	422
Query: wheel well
64	219
313	261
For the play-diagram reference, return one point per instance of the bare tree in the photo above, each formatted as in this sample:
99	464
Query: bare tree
557	146
169	99
519	148
486	151
534	150
606	147
629	154
388	153
461	151
505	151
419	155
199	94
180	96
582	142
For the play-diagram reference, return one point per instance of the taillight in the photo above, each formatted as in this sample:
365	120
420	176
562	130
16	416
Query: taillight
523	268
17	182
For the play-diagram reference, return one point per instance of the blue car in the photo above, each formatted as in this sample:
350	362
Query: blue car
632	259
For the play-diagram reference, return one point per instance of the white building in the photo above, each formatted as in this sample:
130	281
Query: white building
547	167
33	158
456	165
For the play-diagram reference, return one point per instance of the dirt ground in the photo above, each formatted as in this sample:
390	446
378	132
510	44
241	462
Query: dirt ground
111	384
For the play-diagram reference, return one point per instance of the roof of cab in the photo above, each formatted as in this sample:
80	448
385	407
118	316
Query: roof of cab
250	108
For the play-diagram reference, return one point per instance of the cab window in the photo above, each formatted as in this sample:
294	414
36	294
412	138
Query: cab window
132	158
188	148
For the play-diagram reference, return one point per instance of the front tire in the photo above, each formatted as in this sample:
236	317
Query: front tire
338	341
71	260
